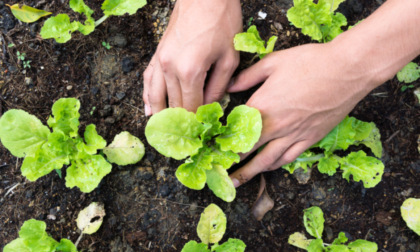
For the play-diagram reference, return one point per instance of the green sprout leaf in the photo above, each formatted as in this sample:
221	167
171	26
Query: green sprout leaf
93	140
210	114
328	165
120	7
243	130
409	74
340	138
58	28
193	246
26	13
219	182
316	246
65	116
313	219
410	210
66	245
362	246
21	133
250	41
232	245
80	7
212	225
341	239
125	149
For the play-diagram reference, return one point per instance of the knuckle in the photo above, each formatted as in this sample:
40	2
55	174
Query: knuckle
267	161
147	75
165	61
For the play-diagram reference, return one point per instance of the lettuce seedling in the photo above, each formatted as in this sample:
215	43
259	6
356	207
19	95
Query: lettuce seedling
410	73
250	41
313	220
210	229
410	212
210	147
317	20
33	237
349	132
60	27
24	135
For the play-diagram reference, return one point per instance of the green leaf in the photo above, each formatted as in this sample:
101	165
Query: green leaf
66	245
58	28
219	182
17	245
93	140
410	210
340	138
125	149
270	46
316	246
191	175
362	167
409	74
362	246
193	246
299	240
210	114
212	225
313	219
328	165
337	248
332	31
120	7
21	133
35	237
26	13
243	130
223	158
250	41
232	245
304	161
174	132
362	129
334	4
87	173
65	116
80	7
341	239
372	141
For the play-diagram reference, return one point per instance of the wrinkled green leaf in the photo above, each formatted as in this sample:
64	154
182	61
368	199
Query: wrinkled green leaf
193	246
223	158
410	212
332	31
210	114
87	173
250	41
192	173
334	4
243	130
362	167
58	28
26	13
328	165
120	7
232	245
174	132
313	219
362	246
80	7
65	116
299	240
316	246
341	239
373	141
21	133
93	140
212	225
66	245
219	182
125	149
340	138
409	74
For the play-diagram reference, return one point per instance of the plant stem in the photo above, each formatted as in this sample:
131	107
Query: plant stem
78	240
308	159
99	21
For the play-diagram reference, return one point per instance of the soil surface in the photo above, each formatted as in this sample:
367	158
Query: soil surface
147	209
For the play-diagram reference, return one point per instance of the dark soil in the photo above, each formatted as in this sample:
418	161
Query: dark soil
147	208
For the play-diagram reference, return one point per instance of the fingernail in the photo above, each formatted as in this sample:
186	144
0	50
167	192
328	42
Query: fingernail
147	110
235	182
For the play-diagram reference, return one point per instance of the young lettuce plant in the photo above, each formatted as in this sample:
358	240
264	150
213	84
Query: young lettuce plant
210	147
250	41
313	220
349	132
210	229
410	212
25	136
317	20
410	73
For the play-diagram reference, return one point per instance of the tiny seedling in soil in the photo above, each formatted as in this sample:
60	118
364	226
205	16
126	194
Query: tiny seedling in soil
106	45
20	56
25	136
210	147
357	164
250	41
313	220
317	20
210	229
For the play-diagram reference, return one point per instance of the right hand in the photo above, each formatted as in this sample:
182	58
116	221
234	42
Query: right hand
198	39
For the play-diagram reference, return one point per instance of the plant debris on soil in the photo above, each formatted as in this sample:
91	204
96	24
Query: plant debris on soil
147	209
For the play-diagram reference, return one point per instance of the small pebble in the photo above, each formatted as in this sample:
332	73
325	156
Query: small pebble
69	87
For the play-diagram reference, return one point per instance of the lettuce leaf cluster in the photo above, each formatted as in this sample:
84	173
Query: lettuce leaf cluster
317	20
250	41
60	27
210	229
210	147
357	164
313	220
33	237
25	136
410	73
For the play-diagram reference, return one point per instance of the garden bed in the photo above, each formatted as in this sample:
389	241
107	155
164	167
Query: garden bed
147	209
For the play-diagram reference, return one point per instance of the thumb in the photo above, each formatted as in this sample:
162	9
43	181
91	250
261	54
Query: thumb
251	76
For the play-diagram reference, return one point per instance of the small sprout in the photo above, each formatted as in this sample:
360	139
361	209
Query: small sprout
10	45
106	45
90	219
92	110
20	56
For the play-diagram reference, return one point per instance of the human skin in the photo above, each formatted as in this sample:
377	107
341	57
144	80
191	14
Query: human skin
314	86
198	41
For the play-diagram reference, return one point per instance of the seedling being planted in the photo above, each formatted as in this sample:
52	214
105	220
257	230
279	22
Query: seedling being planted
313	220
209	147
25	136
357	164
250	41
210	229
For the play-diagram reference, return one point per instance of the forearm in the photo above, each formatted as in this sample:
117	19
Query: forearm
384	43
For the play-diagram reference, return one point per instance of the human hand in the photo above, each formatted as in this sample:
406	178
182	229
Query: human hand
198	39
307	91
